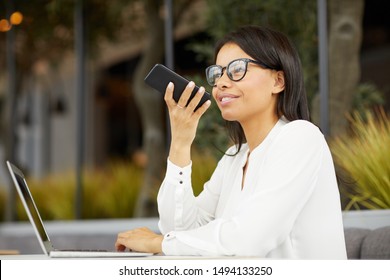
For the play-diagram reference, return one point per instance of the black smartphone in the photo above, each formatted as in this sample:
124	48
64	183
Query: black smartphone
160	76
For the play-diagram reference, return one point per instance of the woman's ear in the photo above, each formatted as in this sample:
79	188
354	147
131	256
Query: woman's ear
279	82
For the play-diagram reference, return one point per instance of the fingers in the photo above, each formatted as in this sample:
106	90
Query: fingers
119	247
168	97
202	108
121	239
139	239
196	99
185	96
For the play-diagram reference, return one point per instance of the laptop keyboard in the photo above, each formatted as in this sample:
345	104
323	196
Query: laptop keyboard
81	250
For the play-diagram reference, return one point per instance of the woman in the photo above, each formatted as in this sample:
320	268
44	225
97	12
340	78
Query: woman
274	193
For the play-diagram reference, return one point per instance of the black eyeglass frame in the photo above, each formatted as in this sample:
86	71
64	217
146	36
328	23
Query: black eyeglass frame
246	60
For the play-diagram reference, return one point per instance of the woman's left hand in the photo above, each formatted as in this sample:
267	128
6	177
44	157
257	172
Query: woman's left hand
140	240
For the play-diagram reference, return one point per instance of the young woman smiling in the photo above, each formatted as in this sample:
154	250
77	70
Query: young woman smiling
274	193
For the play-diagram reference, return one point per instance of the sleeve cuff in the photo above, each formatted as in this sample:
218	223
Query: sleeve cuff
178	175
168	244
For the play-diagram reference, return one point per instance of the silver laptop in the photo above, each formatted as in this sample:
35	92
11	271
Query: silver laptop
40	231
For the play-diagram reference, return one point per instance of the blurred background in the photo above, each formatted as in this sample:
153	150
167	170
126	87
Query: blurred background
92	138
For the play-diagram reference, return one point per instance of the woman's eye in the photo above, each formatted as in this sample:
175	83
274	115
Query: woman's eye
237	68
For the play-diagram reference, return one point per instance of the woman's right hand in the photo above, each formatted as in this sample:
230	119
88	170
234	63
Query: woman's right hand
184	122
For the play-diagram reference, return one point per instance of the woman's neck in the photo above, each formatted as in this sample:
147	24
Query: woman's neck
257	131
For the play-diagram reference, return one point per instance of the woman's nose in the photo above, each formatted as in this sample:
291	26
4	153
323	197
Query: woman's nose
223	81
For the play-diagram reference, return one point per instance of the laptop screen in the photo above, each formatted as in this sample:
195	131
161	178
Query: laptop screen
29	205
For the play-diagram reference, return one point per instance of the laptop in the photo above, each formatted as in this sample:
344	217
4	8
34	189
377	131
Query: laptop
40	231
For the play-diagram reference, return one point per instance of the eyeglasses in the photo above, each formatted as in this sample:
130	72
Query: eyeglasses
235	70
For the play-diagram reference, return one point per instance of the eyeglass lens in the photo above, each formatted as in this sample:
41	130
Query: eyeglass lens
236	70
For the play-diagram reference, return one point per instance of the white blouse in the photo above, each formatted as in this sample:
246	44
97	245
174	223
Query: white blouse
289	206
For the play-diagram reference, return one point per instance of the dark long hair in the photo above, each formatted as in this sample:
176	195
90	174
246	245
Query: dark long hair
275	50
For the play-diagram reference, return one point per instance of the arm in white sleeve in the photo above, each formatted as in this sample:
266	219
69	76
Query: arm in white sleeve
178	208
278	190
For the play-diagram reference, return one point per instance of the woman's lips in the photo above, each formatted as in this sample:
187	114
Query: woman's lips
226	98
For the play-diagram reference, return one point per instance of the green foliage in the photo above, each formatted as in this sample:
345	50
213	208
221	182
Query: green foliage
364	155
202	169
367	97
115	191
108	193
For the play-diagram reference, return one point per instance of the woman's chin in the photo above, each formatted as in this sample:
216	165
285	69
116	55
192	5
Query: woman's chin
228	117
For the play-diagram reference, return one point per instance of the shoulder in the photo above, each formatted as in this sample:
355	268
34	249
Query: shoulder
300	135
297	145
301	129
301	125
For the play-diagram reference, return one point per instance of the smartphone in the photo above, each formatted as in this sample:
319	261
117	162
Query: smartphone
159	78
